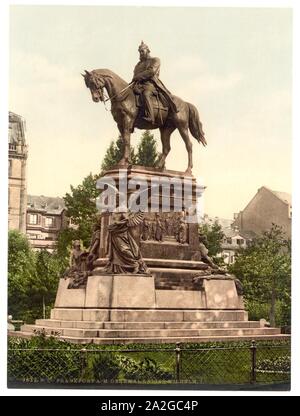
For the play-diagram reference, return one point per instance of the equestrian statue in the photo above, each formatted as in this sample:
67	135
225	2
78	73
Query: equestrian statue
145	103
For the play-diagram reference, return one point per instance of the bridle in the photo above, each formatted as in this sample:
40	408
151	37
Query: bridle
99	86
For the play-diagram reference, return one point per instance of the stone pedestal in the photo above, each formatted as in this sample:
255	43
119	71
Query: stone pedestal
171	304
135	291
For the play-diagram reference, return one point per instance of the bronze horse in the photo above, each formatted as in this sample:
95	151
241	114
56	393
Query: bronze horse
127	114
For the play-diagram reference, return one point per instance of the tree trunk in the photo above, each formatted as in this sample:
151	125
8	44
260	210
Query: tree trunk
44	308
272	308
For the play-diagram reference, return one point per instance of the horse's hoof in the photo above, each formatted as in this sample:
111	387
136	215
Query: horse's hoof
161	165
124	162
188	171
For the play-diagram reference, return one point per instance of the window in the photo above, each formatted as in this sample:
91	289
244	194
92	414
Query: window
33	219
240	241
49	221
10	168
40	237
229	240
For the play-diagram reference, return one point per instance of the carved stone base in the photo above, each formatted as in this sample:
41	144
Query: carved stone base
166	288
115	309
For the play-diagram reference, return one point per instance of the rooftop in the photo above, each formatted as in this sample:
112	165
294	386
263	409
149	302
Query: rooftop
16	132
284	196
47	204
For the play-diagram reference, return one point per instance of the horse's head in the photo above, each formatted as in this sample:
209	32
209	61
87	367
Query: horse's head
95	83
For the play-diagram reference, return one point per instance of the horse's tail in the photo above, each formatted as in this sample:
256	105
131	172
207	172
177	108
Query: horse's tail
195	124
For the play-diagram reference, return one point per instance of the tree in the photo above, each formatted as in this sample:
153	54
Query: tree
215	236
265	271
147	154
32	278
21	271
43	287
114	154
81	209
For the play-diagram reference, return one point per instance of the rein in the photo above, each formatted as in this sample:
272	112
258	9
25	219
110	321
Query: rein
107	98
119	93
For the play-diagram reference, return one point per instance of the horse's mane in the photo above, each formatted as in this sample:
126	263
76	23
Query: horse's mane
108	73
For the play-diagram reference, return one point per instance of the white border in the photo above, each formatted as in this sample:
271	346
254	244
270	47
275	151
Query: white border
296	206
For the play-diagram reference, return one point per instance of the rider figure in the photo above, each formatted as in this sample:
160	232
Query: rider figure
146	82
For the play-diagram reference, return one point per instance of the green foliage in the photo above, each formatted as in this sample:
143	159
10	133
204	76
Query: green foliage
43	287
81	208
258	310
43	360
21	272
114	154
144	369
104	366
32	278
215	236
80	202
277	364
50	360
265	271
64	244
147	154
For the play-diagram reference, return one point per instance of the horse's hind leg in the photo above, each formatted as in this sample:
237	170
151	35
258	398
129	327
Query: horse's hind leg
189	147
165	133
125	133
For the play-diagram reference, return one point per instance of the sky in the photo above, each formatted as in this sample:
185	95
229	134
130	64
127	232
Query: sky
233	64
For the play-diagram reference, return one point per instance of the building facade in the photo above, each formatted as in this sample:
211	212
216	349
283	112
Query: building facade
234	240
45	219
17	181
267	207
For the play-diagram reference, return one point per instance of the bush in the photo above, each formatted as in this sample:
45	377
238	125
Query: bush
278	364
104	366
42	359
258	310
146	369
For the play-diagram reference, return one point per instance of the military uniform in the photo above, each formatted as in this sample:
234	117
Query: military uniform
147	83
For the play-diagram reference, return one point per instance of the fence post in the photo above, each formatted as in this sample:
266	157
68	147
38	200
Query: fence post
178	358
253	350
83	353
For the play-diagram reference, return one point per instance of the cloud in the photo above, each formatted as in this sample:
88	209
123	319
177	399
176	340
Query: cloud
39	72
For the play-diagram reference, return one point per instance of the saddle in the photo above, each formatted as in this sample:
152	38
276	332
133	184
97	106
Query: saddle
158	101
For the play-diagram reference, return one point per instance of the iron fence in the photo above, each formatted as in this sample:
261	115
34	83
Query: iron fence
255	363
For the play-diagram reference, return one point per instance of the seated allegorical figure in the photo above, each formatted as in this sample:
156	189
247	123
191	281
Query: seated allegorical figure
124	254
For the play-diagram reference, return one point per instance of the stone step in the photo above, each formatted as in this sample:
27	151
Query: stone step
58	331
148	315
173	340
165	333
53	323
150	333
181	325
170	340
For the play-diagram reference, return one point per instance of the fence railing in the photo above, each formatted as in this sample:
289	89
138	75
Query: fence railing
255	363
